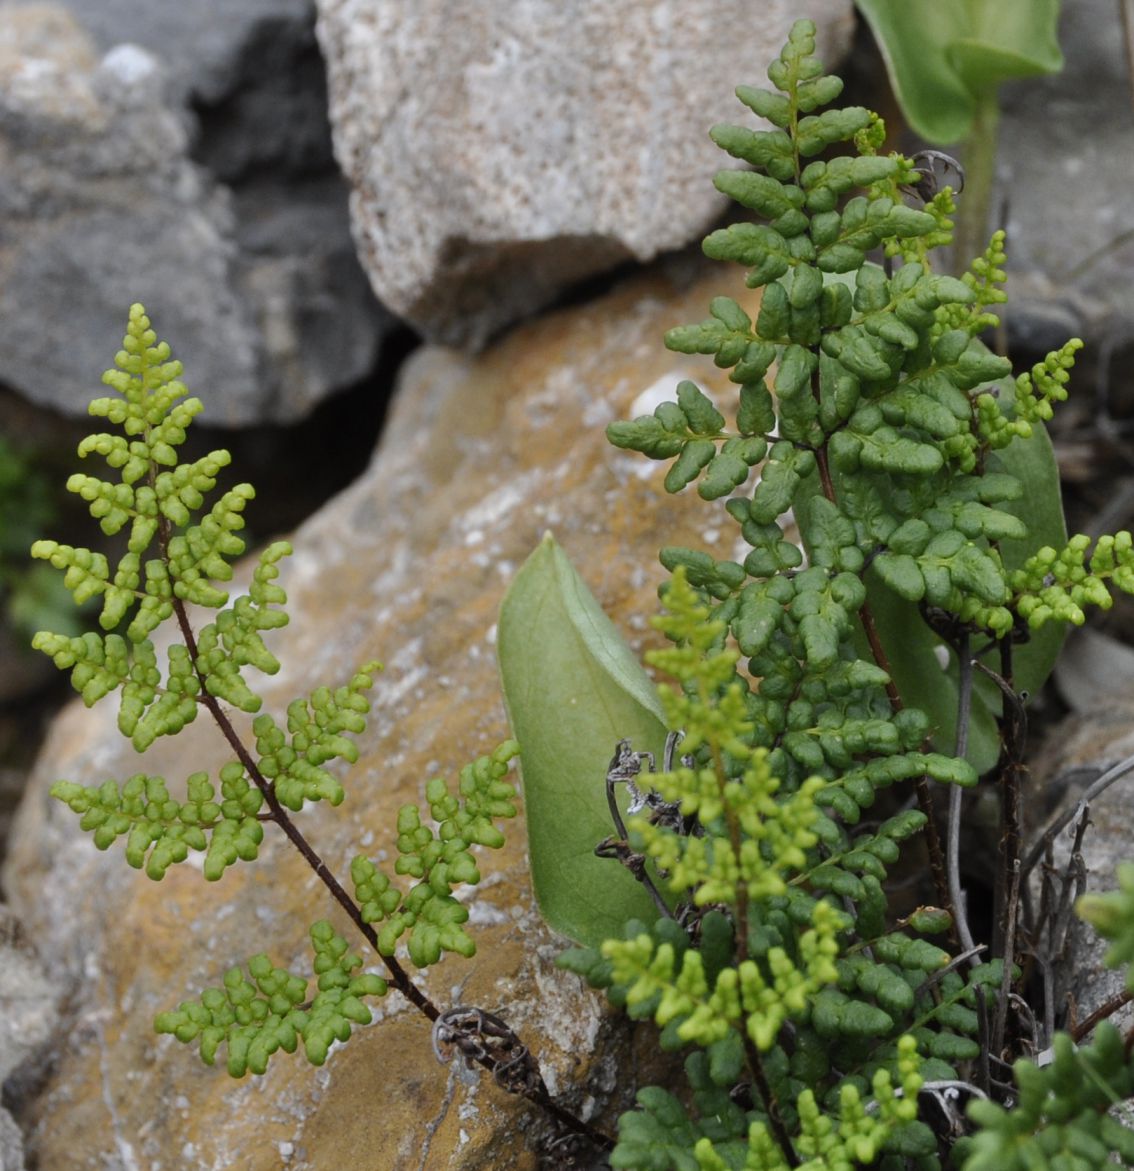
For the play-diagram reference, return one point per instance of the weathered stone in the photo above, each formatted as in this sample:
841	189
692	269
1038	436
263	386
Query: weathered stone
105	202
1093	668
11	1144
27	1011
499	153
480	457
1064	168
1082	750
27	1017
206	65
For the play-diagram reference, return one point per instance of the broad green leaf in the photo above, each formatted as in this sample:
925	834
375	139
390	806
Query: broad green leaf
572	689
1040	507
945	56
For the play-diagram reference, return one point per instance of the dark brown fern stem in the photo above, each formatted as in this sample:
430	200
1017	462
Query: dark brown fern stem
771	1105
1009	851
280	816
398	975
1108	1008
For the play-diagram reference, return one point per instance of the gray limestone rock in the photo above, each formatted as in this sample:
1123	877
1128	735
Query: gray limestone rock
201	51
1089	744
27	997
11	1144
1064	168
500	152
225	217
27	1018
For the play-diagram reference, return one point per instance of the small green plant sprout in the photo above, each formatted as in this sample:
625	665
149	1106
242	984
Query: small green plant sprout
177	564
825	1024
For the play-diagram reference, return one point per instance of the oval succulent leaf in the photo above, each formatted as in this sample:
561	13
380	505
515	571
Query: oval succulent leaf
573	689
942	57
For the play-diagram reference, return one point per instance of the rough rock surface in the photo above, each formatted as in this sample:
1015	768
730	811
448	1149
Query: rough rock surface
1087	745
1065	147
481	456
498	153
206	66
27	1018
11	1144
109	194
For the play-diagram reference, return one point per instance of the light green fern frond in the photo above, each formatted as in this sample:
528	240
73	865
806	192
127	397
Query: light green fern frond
256	1014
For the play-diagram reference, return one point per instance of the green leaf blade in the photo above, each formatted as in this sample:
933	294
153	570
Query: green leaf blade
942	58
572	690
